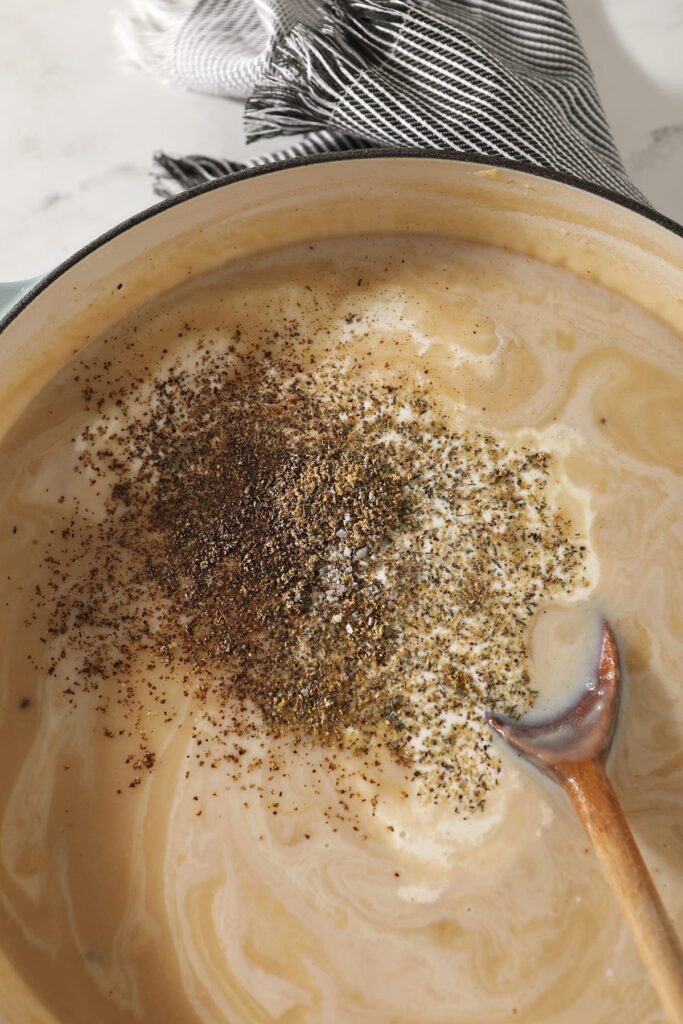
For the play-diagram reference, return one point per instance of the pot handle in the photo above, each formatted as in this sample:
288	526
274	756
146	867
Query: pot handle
12	291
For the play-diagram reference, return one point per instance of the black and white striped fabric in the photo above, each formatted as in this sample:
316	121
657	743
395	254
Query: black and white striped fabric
500	78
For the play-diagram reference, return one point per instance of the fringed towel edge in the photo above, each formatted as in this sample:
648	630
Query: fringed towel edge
309	70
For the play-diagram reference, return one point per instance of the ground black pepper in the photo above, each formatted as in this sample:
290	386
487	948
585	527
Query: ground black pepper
323	559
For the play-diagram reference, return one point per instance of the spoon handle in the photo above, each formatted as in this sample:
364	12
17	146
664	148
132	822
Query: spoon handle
598	806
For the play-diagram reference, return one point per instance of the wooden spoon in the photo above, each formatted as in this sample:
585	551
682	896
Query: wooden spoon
572	749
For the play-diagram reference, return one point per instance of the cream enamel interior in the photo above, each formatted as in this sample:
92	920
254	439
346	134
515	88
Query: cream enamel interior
552	222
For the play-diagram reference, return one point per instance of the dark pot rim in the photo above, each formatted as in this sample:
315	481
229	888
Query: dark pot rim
321	158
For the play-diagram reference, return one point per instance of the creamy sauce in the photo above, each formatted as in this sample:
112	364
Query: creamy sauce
131	906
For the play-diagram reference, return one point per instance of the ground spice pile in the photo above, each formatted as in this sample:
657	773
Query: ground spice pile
328	555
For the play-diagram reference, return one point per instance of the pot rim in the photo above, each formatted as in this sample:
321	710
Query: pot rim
378	153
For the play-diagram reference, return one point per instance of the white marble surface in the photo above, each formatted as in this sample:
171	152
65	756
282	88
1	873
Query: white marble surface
78	131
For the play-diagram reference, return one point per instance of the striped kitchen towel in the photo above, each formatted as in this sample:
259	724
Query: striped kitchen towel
500	78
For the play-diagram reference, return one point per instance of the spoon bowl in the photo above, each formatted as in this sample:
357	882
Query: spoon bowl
582	731
572	748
